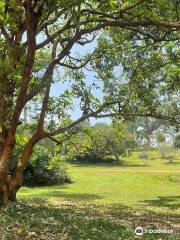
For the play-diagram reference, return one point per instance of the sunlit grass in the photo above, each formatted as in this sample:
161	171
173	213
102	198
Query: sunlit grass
134	188
154	163
103	202
137	190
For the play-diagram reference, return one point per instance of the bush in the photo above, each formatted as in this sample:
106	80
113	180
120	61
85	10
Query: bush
177	142
144	155
101	143
43	177
93	158
39	169
167	152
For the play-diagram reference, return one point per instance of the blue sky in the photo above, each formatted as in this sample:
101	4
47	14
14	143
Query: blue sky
59	87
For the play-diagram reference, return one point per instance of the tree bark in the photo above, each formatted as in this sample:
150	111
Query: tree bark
3	135
117	157
9	185
3	131
7	191
148	139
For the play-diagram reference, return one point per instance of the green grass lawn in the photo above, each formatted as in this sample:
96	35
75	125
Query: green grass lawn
103	202
154	163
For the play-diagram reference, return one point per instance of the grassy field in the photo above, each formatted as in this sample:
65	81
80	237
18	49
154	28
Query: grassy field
103	202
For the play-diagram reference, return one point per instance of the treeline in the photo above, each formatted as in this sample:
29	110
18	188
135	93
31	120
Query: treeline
111	142
99	143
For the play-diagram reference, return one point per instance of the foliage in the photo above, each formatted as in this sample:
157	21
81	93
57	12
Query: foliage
101	142
177	142
144	155
136	45
133	56
160	137
41	168
167	152
145	129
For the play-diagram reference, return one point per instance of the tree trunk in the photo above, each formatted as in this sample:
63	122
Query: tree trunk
3	135
5	180
4	195
3	130
148	138
119	161
8	191
14	187
9	185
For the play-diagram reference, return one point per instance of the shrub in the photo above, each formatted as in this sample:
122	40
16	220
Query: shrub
177	142
94	158
167	152
144	155
160	137
40	169
101	143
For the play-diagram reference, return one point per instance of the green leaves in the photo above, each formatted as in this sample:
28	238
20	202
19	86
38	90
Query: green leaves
134	60
100	142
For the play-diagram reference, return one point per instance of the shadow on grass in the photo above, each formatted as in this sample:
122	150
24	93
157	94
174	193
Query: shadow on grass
171	202
74	221
115	165
60	222
58	193
174	178
174	163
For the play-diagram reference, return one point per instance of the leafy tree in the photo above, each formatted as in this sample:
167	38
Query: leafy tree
100	143
43	168
160	137
168	152
36	42
145	128
177	142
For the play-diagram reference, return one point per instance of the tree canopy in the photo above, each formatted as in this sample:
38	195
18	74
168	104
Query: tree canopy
135	39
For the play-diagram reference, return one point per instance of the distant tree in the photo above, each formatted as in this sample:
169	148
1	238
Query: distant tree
177	142
96	143
160	137
168	152
145	128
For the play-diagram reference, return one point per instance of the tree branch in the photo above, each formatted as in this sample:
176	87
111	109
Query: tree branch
125	115
49	76
54	35
76	122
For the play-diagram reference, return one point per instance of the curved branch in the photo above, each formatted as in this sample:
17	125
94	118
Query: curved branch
79	120
54	35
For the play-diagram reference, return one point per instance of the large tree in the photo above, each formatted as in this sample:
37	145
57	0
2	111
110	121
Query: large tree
99	142
36	44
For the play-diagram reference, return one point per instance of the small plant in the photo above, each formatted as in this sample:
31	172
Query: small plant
170	158
144	156
167	152
160	137
44	167
177	142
